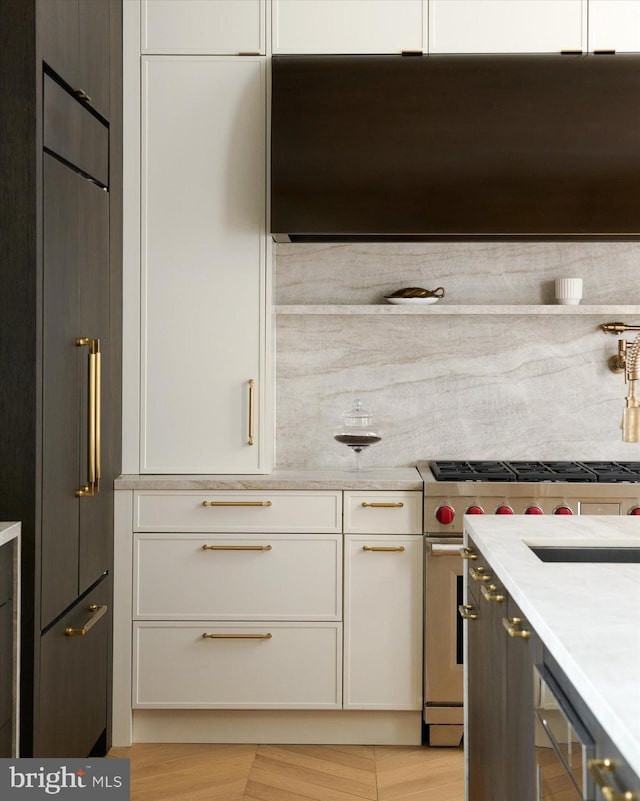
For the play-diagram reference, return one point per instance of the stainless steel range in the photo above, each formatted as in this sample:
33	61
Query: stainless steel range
455	488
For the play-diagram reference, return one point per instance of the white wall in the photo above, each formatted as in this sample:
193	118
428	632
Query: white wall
468	387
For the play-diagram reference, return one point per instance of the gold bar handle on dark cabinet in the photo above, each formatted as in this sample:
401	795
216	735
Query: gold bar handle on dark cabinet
467	553
512	627
598	768
490	593
466	612
93	418
251	394
97	611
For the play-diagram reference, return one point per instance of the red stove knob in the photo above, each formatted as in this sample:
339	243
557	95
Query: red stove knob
533	510
445	514
635	510
563	510
475	510
504	510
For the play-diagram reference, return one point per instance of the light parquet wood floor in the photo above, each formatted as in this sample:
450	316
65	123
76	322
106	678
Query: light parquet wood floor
204	772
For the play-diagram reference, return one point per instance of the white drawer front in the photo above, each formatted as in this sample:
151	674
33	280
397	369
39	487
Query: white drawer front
218	577
298	667
279	511
382	512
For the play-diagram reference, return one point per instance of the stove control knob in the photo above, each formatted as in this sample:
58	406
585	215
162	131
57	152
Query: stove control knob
563	510
445	514
533	510
504	510
475	510
635	510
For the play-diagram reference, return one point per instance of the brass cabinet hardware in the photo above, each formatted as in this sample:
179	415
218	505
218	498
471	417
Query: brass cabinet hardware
512	626
598	768
82	95
398	505
236	503
618	328
385	548
207	636
236	547
97	611
251	392
93	418
479	574
467	553
466	612
490	593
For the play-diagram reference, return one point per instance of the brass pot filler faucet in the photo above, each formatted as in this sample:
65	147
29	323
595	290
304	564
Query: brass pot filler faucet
627	361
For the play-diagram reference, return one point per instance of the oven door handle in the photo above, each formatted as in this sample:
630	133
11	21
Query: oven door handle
442	549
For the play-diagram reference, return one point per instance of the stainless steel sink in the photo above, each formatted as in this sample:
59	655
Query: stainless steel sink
581	553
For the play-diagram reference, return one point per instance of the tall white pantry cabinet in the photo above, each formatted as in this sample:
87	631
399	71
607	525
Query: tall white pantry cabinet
195	243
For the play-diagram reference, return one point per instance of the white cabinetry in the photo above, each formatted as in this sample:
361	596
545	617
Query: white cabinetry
383	613
203	265
507	26
348	26
614	25
221	27
237	620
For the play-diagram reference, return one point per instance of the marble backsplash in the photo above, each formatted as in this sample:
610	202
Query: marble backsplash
451	386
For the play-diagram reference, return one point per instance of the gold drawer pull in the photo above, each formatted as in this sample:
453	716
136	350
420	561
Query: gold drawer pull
467	553
398	505
266	636
97	611
466	612
92	487
597	767
236	547
479	574
236	503
489	593
386	548
512	626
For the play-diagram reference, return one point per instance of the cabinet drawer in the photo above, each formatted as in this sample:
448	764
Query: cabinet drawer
383	512
311	512
275	665
72	132
216	577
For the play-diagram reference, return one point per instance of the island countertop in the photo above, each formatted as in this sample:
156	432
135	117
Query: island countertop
586	614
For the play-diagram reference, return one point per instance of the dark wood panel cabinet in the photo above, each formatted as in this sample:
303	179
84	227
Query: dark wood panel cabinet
60	352
501	651
7	665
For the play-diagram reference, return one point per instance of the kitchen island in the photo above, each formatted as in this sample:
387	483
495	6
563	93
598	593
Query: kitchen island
584	614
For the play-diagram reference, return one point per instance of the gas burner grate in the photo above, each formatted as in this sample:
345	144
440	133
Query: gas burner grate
552	471
471	471
614	472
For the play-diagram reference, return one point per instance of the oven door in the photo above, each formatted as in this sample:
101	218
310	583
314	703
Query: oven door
443	683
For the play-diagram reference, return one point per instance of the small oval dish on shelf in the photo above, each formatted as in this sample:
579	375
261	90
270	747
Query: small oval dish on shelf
415	295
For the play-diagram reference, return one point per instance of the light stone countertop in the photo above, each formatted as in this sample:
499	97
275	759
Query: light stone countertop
377	478
8	532
586	614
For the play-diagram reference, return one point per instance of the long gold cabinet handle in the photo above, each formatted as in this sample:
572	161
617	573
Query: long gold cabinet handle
384	548
598	768
479	574
490	593
512	627
94	423
467	553
236	547
207	636
252	384
97	611
466	612
398	505
237	503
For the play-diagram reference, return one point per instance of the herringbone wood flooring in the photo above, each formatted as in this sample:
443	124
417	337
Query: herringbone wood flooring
203	772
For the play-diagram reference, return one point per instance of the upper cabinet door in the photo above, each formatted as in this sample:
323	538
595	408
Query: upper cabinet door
203	263
348	26
208	27
614	25
507	26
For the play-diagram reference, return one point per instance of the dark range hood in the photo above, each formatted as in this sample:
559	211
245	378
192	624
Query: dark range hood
540	147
